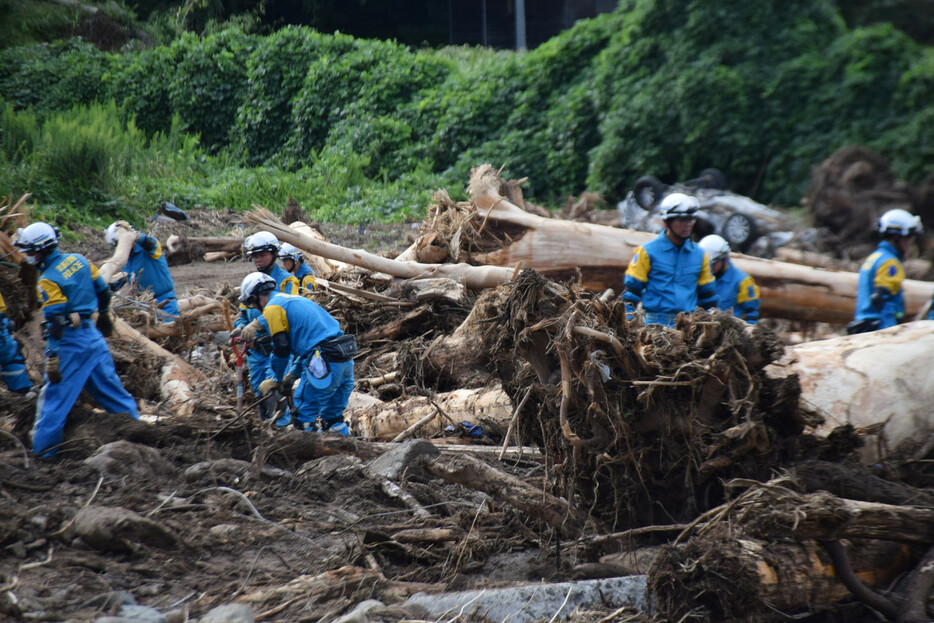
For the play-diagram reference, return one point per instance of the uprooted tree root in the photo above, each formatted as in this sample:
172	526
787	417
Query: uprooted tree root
642	422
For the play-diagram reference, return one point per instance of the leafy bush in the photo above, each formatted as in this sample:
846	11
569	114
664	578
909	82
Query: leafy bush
276	70
366	130
369	80
206	87
52	77
138	82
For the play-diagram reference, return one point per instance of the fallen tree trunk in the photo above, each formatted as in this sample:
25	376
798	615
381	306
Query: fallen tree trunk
322	266
121	255
175	382
189	321
825	517
474	277
490	408
748	579
600	255
880	382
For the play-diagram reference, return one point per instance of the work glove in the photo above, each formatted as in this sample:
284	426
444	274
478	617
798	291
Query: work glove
630	311
105	323
247	333
288	384
52	371
268	386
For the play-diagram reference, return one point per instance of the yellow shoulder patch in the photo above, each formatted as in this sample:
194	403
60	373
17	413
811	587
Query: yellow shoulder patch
50	293
276	319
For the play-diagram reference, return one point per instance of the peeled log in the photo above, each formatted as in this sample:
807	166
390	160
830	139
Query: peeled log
883	379
487	407
175	386
125	240
600	255
473	277
322	266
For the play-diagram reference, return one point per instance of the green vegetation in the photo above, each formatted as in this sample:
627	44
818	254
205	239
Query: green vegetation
362	130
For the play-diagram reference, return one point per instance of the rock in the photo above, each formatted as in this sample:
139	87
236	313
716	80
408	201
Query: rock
123	458
394	463
224	471
141	614
230	613
359	613
118	529
524	604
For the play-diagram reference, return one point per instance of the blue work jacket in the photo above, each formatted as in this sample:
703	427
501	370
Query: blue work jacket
149	269
68	284
668	279
738	291
879	295
306	323
306	278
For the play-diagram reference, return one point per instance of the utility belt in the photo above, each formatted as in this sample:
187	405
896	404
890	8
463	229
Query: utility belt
338	349
57	325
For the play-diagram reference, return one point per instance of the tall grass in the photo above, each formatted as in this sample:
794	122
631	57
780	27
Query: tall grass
91	163
92	159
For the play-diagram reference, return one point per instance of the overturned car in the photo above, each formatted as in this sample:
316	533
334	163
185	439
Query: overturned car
747	225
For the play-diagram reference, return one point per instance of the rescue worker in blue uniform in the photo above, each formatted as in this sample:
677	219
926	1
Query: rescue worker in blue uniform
73	294
293	260
147	268
311	356
879	300
263	248
12	362
670	274
736	291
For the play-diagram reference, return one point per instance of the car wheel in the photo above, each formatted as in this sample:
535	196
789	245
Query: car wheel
712	178
740	231
647	190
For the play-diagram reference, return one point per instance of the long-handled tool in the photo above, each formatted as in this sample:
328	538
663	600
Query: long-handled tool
239	349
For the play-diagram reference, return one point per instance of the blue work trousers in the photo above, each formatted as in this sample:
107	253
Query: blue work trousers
85	362
12	363
169	304
325	398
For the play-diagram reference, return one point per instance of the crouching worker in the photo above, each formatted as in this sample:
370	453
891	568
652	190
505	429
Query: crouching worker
12	362
736	291
321	373
73	295
147	267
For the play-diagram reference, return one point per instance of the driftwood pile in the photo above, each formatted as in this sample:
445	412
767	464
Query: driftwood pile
683	444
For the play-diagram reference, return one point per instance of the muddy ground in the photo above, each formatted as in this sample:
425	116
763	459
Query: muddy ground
201	523
182	515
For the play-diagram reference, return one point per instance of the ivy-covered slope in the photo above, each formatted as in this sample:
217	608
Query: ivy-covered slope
762	90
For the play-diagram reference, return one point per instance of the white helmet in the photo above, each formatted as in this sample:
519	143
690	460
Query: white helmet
291	252
678	205
899	222
261	241
255	284
111	234
715	246
36	237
